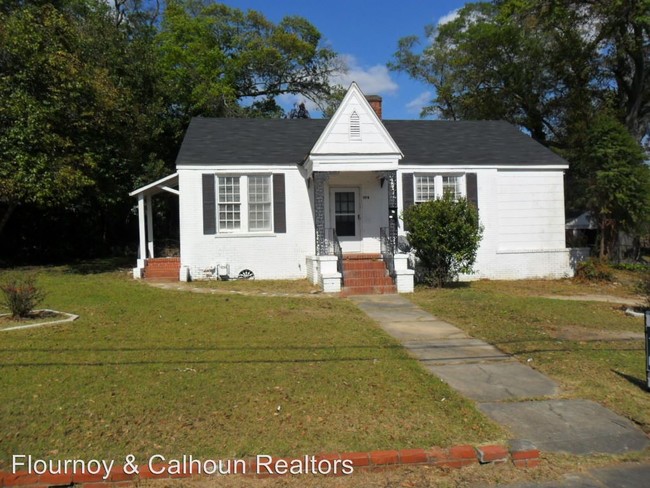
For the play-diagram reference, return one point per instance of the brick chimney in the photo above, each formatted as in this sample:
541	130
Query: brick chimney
375	103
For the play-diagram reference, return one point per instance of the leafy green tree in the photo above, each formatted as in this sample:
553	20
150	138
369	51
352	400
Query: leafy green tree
445	234
52	106
543	65
220	61
82	116
618	181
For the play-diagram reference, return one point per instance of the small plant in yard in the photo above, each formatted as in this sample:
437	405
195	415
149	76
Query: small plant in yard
445	234
594	269
21	296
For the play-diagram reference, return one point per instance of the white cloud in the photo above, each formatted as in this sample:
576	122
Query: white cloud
373	80
415	105
449	17
289	100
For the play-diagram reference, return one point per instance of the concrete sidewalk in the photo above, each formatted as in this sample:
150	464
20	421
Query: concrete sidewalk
502	386
627	475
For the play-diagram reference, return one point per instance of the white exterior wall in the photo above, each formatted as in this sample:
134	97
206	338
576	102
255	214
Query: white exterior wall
268	255
522	213
373	209
527	217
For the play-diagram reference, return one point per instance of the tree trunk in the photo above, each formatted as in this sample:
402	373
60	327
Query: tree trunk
601	253
5	216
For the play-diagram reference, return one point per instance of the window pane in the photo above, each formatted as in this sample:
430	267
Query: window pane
451	186
229	203
259	203
345	213
345	225
425	188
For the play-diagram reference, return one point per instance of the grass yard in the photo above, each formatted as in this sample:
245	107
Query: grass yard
260	286
586	346
149	371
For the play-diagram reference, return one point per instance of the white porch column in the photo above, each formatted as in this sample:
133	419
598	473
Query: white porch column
149	226
141	230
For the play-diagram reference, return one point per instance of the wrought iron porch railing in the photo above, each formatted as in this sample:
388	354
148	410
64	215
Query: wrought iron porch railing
334	249
387	247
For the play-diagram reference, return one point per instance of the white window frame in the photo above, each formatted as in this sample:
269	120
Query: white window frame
438	184
244	204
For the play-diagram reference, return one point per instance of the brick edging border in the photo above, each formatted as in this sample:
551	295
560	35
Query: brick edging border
521	453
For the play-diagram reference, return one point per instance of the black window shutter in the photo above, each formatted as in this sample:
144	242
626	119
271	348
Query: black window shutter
279	204
472	188
407	192
209	205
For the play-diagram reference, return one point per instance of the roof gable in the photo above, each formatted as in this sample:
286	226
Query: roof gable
355	129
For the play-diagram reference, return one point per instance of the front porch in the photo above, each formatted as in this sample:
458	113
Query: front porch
356	224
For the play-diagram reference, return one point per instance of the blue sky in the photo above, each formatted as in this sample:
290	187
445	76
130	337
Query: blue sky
366	34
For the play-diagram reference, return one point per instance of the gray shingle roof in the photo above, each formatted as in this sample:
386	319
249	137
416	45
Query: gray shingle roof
424	142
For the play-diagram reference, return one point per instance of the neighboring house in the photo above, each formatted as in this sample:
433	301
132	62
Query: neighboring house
283	199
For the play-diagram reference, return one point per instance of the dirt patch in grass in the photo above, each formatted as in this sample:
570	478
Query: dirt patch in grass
624	286
35	317
576	333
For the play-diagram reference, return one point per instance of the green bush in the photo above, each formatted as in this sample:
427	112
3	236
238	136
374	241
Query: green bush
634	267
445	235
21	296
594	270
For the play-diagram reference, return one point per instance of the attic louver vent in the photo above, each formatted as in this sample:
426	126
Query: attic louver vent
355	127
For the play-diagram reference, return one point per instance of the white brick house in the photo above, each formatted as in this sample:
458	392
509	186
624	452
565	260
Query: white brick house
285	199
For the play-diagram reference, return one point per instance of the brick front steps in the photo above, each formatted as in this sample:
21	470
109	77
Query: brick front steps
520	453
365	274
162	269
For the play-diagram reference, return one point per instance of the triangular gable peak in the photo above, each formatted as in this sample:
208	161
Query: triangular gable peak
354	139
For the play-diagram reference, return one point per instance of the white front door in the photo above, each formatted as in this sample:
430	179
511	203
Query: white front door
345	213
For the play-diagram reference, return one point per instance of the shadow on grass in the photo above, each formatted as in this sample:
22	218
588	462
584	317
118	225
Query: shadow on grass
632	379
456	285
96	266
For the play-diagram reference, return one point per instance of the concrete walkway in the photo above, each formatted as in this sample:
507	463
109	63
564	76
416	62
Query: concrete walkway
627	475
506	390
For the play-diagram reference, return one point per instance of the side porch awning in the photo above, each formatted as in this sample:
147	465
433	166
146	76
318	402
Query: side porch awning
145	217
163	184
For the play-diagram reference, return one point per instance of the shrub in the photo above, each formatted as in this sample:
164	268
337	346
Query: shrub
594	270
21	295
445	235
634	267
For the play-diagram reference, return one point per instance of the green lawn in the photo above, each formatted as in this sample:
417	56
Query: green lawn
146	371
607	369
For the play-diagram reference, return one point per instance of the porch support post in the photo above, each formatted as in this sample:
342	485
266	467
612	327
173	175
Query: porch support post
149	226
391	179
141	230
320	178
